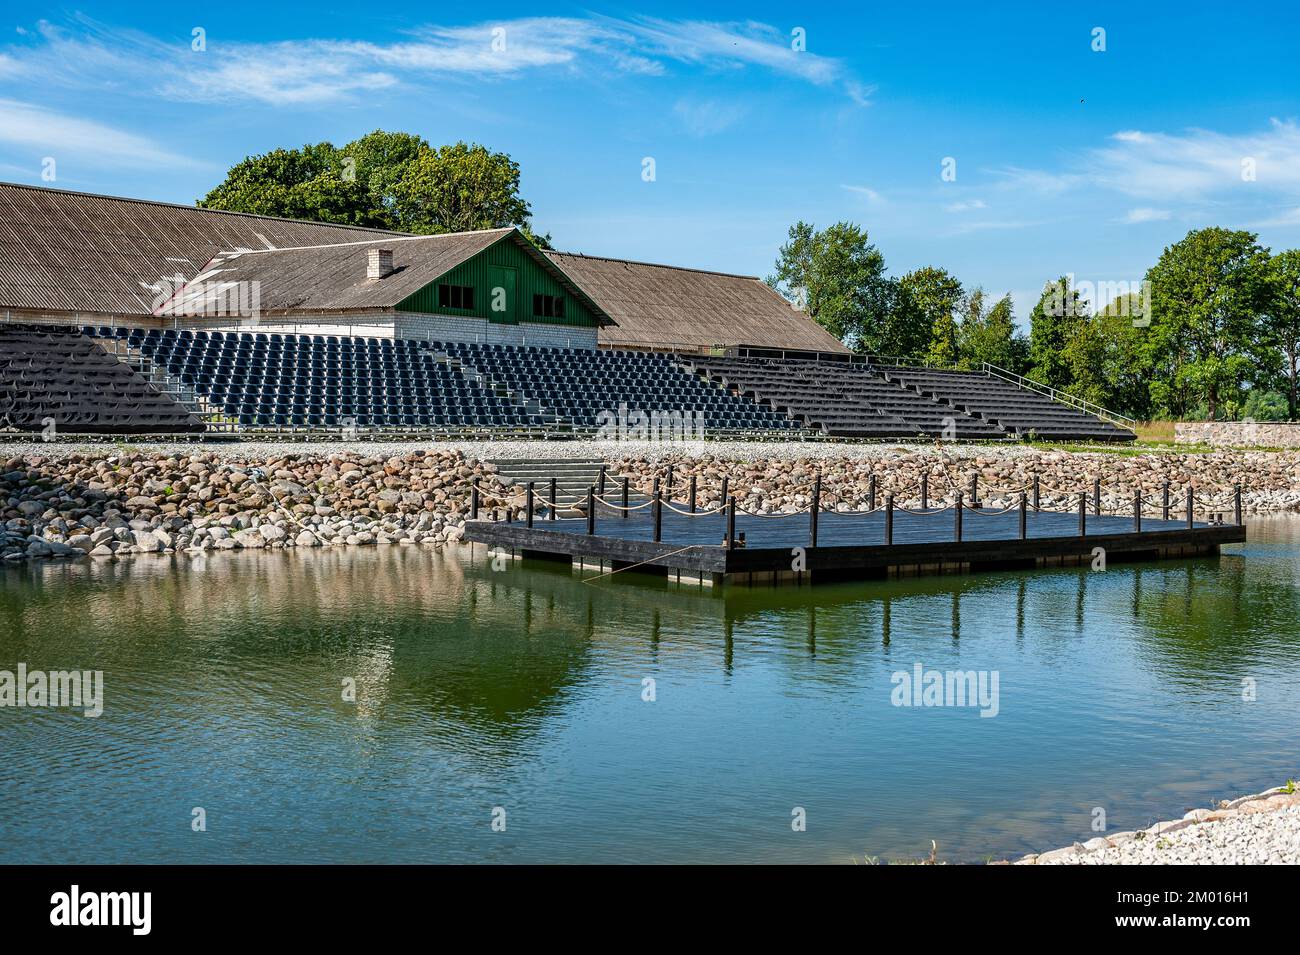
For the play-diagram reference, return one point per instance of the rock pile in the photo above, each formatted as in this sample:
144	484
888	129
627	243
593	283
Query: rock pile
107	505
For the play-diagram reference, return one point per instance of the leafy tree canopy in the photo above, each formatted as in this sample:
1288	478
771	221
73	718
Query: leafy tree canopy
381	180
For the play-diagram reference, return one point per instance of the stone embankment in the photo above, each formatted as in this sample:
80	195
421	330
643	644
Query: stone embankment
1270	481
113	505
104	502
1253	830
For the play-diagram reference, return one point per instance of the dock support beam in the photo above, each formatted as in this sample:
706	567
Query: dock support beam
1190	509
814	510
692	493
591	509
473	500
528	504
889	518
1236	504
1024	517
956	519
659	513
1137	510
1038	497
1096	496
1083	514
625	510
925	490
552	499
731	522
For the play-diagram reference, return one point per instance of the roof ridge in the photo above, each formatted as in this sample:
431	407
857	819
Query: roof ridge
655	265
401	237
181	205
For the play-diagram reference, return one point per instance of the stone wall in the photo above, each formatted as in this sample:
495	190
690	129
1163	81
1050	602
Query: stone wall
1242	434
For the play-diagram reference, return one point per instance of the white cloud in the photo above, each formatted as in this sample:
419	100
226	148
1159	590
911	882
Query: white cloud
322	70
968	205
705	117
1190	166
57	135
1146	214
871	195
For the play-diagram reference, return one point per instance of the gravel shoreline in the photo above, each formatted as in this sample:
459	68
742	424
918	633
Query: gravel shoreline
1263	829
113	500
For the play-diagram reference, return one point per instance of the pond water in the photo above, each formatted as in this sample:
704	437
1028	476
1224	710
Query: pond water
520	696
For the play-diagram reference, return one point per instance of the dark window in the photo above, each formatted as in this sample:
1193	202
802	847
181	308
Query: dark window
456	296
548	306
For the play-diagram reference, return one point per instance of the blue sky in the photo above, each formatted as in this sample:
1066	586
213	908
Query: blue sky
1067	159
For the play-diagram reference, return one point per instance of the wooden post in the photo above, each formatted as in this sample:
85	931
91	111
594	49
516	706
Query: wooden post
814	510
726	480
871	493
1236	504
1083	514
591	509
473	500
601	480
1137	511
889	518
731	522
925	490
553	499
1024	516
692	493
974	490
1038	497
1164	501
528	506
956	519
1096	496
1190	510
659	513
625	510
668	485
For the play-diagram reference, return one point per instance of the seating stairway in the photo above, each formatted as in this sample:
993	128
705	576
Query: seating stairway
59	374
262	380
577	385
844	400
1020	411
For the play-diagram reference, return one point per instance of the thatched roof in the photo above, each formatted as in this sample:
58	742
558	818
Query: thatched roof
77	252
661	306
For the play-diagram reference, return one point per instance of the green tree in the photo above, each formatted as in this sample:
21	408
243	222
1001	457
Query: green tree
459	188
987	334
383	180
1283	321
307	183
1209	292
838	277
1107	361
932	296
1052	323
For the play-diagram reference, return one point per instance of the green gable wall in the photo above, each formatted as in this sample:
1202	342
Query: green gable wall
482	274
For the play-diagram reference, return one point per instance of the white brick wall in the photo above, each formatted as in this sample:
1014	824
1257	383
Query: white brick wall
441	328
450	328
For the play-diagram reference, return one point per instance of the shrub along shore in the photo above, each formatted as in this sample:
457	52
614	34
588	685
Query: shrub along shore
105	502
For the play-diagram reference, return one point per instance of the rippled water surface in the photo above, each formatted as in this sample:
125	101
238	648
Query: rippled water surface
522	689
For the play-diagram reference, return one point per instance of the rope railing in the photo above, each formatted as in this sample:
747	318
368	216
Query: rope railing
727	506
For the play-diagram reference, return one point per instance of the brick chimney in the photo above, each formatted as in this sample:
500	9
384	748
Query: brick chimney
380	263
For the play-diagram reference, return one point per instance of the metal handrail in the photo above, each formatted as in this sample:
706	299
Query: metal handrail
1082	404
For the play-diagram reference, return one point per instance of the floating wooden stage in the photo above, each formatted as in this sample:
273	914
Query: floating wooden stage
849	545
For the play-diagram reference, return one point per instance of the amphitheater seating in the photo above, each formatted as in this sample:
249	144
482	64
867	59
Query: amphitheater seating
843	399
57	373
578	385
309	381
874	401
1017	410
